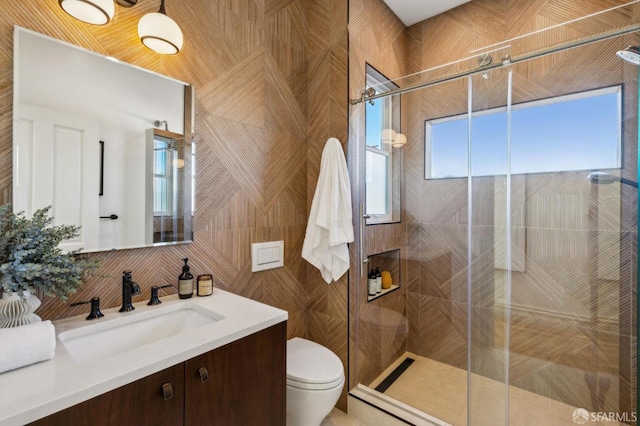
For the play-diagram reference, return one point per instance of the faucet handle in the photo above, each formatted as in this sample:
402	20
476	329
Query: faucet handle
95	307
127	278
154	294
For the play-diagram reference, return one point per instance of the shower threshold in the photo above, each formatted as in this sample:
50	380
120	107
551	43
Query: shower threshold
368	405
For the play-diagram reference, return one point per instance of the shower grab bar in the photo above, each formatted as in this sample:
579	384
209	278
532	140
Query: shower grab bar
364	259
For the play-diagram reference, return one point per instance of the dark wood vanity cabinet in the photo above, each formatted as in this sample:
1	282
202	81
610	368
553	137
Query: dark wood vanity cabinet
139	403
242	383
246	383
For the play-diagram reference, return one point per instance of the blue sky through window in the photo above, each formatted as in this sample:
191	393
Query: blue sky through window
575	132
373	124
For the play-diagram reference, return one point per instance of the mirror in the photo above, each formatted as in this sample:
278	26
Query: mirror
83	142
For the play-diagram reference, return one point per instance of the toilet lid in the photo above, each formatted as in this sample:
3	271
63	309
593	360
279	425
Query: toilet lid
309	362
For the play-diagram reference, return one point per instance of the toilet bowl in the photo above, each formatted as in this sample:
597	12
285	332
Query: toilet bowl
315	377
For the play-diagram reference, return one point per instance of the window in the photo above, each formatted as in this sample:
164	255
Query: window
164	155
382	122
581	131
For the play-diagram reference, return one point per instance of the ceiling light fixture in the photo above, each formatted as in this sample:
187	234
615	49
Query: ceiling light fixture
160	33
96	12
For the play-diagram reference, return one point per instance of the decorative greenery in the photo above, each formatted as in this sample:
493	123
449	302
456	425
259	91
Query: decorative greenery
30	256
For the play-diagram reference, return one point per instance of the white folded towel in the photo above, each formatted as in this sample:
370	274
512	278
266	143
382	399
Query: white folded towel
26	345
330	225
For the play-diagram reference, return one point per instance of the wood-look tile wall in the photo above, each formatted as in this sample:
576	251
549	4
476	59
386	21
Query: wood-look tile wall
574	244
378	328
270	78
327	313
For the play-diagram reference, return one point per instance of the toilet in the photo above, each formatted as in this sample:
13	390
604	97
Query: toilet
315	377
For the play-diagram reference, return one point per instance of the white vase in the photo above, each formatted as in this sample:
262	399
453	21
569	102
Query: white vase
16	310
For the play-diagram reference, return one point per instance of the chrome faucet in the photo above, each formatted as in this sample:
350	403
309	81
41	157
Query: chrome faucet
129	288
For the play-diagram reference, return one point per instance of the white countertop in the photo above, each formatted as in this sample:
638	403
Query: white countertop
32	392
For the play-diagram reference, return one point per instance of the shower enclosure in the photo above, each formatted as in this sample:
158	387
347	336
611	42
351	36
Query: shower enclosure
515	257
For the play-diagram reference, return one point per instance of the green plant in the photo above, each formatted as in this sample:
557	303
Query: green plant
30	256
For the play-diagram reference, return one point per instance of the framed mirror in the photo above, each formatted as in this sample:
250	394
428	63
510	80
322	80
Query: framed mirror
81	144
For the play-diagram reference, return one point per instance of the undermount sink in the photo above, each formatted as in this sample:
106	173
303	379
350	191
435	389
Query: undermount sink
108	337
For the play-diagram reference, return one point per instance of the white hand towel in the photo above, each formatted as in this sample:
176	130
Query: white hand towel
26	345
330	225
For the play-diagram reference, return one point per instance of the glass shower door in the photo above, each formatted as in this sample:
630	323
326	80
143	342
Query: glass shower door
490	257
553	239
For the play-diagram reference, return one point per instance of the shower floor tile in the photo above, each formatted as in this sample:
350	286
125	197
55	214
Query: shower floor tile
441	391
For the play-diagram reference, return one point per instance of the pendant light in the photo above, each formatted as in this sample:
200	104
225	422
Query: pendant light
399	141
96	12
160	33
388	135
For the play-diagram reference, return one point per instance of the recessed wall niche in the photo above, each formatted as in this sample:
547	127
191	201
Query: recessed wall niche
387	261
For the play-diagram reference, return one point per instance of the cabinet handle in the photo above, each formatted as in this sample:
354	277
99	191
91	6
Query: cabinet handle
204	374
167	390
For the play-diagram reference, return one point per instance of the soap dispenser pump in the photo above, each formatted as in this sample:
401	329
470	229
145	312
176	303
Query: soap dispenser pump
185	281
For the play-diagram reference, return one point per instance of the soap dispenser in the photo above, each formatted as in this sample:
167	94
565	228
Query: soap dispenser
185	281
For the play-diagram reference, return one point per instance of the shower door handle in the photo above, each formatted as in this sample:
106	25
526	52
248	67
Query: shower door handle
363	258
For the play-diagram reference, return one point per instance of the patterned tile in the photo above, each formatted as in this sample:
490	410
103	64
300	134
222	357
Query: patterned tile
250	62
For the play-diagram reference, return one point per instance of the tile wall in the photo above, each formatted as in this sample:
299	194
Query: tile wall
270	79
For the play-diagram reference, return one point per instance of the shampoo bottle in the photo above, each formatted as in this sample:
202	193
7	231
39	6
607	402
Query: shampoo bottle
185	281
378	281
371	283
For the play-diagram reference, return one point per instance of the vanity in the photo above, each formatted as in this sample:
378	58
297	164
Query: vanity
223	361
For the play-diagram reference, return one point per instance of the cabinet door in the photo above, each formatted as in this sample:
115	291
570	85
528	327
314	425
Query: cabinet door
139	403
246	382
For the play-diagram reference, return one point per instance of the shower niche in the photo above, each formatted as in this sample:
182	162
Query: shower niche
387	262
